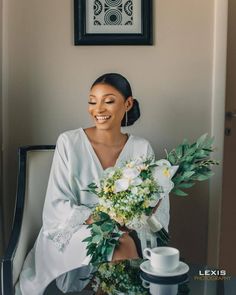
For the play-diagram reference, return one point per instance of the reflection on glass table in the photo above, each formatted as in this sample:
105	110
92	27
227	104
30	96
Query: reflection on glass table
126	277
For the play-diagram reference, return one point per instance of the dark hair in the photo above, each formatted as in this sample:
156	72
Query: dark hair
122	85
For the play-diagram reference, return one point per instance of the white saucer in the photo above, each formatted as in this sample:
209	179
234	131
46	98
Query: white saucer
182	269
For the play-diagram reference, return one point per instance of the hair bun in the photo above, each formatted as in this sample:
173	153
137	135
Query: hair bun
132	115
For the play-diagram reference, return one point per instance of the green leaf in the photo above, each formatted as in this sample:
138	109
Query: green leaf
96	228
109	250
172	159
188	174
185	142
88	239
186	185
179	192
201	177
92	185
104	216
97	238
201	140
107	227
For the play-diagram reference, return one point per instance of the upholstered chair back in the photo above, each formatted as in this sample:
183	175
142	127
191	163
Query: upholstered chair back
34	168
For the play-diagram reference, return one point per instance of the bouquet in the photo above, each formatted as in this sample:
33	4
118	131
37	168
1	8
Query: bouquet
119	278
128	195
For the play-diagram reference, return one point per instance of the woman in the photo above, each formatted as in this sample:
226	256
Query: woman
80	157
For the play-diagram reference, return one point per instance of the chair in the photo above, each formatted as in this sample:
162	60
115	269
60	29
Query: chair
34	167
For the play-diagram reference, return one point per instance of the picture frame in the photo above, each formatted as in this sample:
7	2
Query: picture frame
113	22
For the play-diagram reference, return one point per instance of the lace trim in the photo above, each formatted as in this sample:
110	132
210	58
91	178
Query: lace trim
62	235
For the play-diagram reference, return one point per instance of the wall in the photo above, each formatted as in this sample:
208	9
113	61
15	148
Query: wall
47	82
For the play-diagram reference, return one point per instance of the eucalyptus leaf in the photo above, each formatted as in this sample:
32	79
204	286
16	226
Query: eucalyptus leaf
186	185
179	192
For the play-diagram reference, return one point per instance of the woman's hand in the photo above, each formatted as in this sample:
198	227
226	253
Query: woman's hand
126	249
89	220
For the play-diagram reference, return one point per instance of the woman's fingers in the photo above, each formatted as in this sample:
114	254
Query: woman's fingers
89	220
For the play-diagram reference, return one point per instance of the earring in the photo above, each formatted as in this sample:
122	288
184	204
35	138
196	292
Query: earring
126	118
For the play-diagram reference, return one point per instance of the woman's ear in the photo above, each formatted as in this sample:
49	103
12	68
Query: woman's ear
129	103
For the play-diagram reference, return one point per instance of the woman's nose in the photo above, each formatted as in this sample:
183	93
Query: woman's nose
100	107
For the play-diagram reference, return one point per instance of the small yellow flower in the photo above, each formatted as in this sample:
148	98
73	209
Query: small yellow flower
166	172
106	189
145	204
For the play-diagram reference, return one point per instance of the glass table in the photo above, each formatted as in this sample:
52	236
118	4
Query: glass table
126	277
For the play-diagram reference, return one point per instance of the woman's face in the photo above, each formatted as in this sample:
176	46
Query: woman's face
107	106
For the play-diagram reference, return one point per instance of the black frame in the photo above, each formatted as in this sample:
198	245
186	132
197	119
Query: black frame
6	263
83	38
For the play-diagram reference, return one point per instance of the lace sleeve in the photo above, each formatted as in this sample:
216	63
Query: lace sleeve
63	232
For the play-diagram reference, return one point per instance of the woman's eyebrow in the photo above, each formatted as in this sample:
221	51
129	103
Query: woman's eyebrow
105	95
108	94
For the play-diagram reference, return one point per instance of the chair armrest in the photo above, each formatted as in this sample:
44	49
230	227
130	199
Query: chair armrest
7	280
7	261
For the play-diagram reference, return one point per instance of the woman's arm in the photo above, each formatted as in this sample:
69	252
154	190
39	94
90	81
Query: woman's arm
62	216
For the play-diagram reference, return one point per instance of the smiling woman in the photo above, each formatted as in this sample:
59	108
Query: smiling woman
120	92
81	157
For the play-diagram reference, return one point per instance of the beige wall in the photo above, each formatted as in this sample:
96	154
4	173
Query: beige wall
47	81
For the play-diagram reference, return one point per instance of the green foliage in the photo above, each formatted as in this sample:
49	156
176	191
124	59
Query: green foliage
104	237
194	163
120	278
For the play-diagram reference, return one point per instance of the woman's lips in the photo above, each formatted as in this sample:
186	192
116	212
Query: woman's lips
103	118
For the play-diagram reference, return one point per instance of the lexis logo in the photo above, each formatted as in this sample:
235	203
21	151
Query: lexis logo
210	272
212	275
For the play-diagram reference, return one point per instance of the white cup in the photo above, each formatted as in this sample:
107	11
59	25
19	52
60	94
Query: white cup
164	259
160	289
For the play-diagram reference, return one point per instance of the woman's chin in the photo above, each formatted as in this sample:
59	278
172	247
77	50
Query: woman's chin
103	126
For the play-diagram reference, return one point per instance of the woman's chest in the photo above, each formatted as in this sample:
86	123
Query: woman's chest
107	156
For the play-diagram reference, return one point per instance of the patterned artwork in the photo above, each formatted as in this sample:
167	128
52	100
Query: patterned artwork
112	12
113	22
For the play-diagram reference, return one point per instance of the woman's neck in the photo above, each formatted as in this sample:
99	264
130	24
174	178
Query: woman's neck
109	137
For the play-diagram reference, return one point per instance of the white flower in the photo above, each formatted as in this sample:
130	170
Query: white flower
104	203
163	174
134	190
130	164
121	185
163	162
129	177
130	173
170	170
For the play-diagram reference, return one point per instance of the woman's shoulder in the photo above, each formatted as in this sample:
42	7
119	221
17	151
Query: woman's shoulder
139	140
142	145
70	136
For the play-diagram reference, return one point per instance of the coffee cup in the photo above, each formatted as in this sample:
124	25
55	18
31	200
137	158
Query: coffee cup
160	289
165	259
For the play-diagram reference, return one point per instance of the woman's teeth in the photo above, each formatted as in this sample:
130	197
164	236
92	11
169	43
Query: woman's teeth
102	118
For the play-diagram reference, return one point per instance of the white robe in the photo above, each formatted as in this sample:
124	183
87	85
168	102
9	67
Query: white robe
59	247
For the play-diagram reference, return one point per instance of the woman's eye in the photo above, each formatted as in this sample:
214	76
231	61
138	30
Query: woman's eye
110	101
91	102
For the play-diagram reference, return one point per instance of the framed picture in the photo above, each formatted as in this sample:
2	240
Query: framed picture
113	22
